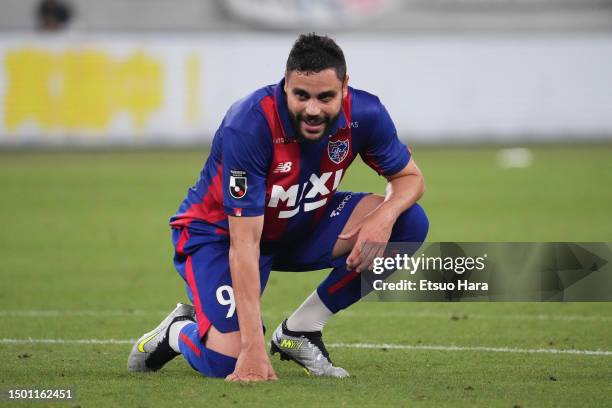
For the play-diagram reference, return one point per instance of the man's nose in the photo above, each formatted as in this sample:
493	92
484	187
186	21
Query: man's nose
312	108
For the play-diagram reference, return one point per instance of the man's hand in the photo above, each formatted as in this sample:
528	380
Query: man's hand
403	190
372	236
253	365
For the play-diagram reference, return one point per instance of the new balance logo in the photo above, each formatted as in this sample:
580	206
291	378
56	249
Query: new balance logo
283	167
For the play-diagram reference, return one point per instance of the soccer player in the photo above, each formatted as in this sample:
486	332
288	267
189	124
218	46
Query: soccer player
266	199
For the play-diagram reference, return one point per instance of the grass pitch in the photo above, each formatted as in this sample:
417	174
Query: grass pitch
87	256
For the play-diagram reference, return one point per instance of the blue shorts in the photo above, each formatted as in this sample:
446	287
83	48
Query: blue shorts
202	261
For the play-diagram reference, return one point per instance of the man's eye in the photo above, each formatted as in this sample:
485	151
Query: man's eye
326	99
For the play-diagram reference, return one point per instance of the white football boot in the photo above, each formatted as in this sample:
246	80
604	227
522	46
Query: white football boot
152	351
306	349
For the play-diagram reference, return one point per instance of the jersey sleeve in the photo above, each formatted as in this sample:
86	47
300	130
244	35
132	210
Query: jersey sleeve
384	152
245	159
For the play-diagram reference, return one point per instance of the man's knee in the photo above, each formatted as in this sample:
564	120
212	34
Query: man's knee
411	226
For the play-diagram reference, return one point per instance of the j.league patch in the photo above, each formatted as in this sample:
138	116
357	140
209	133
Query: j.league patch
237	183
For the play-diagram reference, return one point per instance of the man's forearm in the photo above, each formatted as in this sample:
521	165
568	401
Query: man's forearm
244	268
401	193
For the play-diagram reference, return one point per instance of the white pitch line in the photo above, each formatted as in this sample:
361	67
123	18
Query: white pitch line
460	316
92	313
346	313
345	345
470	348
65	341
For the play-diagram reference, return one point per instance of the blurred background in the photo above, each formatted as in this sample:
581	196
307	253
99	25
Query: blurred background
154	72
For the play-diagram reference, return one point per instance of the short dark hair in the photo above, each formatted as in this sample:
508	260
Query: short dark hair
314	53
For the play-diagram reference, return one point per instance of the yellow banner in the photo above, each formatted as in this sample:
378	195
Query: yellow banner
79	89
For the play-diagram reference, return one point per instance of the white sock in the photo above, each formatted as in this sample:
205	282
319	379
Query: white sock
310	316
173	335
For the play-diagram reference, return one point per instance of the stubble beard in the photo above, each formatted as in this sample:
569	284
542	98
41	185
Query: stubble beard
296	121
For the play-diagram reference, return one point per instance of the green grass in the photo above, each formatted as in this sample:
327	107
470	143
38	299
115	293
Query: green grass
88	232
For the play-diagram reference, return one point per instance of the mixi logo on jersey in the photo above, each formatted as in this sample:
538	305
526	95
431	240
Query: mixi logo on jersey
314	188
315	192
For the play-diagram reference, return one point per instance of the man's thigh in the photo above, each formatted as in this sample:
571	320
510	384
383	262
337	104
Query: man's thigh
205	269
316	251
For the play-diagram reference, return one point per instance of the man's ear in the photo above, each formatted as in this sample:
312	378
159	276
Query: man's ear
286	80
345	86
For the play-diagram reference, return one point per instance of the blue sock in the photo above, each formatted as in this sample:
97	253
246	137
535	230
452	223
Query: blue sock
206	361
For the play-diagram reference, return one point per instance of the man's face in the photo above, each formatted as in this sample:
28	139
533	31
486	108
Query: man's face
314	100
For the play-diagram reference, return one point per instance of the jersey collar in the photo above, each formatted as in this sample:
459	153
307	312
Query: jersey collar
280	100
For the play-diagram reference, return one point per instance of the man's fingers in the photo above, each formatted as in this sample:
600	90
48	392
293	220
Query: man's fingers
367	255
380	253
354	257
250	377
350	234
255	377
368	261
271	373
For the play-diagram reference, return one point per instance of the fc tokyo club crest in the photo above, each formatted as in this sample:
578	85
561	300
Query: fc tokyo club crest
237	183
337	151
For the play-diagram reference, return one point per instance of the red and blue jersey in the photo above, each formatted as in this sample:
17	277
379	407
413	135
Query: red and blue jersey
257	165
